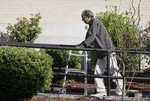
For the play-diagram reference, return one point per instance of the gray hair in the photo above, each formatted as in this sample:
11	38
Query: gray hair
87	13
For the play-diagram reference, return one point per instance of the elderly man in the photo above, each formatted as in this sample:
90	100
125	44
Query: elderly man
98	37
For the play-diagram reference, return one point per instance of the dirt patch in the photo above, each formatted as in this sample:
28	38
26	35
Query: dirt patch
67	99
77	83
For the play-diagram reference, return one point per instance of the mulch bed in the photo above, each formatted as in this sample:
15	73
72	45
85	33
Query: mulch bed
77	83
67	99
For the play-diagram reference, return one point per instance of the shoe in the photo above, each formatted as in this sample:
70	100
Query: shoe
99	94
119	93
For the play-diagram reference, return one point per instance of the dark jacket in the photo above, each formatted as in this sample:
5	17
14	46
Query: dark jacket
98	37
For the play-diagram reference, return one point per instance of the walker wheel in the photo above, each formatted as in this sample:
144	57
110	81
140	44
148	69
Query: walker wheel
62	91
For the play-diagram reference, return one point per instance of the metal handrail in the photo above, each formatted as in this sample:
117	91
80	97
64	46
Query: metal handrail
72	47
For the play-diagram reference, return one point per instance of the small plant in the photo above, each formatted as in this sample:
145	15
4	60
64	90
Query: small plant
24	72
60	58
26	30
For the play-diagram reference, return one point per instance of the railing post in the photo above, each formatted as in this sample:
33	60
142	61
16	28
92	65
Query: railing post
85	77
108	73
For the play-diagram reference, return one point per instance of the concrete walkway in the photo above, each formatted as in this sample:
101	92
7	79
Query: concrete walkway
132	95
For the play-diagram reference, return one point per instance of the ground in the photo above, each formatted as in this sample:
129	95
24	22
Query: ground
77	84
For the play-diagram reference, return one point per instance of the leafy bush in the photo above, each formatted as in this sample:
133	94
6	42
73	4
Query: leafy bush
23	72
26	30
60	58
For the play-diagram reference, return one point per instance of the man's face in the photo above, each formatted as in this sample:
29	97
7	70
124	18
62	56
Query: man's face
86	19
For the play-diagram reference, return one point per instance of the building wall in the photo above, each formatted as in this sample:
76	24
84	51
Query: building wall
61	19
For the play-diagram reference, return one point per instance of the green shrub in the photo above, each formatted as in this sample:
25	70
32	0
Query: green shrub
25	30
60	58
24	72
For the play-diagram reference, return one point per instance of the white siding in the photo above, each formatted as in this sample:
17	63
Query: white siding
61	20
